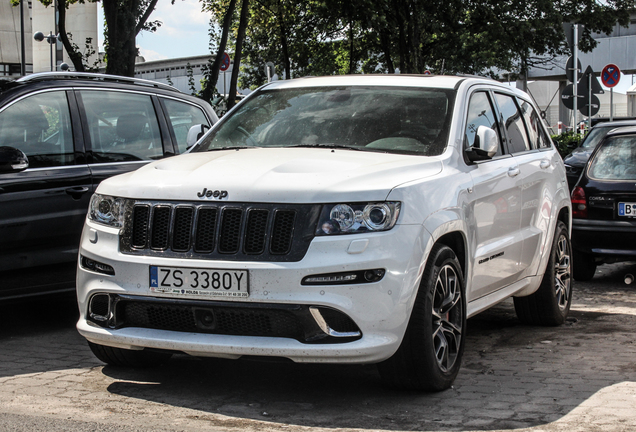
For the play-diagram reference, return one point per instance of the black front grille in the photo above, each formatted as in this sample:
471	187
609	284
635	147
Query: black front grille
228	231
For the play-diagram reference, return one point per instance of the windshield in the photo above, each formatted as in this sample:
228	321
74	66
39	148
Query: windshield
594	137
386	119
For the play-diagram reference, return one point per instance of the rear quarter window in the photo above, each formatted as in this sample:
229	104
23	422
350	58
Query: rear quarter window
615	159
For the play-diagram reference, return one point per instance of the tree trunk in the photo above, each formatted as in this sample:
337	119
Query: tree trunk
73	54
237	55
124	20
213	78
283	41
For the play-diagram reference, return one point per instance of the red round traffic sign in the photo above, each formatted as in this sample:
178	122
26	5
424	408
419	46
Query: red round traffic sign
611	75
225	62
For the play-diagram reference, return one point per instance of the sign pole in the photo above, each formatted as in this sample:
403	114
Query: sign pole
612	104
576	75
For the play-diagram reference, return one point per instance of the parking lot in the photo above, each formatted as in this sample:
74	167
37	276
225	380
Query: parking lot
578	377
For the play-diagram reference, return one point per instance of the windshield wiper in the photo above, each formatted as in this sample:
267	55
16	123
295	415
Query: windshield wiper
331	146
231	148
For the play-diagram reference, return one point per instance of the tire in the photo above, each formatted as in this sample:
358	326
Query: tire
550	304
584	266
430	355
128	358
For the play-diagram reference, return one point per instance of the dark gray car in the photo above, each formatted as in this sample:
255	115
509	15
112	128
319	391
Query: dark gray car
575	161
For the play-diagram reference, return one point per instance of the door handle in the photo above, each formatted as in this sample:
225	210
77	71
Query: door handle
544	164
513	172
77	192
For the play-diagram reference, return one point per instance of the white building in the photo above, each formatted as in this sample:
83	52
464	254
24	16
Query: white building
81	22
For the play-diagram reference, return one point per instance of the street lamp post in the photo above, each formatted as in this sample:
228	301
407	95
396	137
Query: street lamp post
51	39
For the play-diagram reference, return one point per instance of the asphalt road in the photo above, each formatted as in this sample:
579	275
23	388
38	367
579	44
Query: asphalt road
577	377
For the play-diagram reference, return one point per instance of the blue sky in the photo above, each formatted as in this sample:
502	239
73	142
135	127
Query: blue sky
184	31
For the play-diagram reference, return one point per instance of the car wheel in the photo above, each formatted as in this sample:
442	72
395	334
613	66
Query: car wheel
584	266
550	304
128	358
430	355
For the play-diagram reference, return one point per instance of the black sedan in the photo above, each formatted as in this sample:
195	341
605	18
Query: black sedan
604	205
575	161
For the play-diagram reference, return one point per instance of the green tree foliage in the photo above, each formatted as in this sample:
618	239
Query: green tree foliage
324	37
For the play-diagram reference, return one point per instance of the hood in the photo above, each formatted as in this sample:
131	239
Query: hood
578	157
274	175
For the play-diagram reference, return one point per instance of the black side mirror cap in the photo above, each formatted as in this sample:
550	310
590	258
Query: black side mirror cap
12	160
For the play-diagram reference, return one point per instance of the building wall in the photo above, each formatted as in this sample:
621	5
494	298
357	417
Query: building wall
81	22
10	44
175	72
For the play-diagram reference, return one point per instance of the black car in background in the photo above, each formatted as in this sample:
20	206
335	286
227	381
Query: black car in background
61	134
604	205
575	161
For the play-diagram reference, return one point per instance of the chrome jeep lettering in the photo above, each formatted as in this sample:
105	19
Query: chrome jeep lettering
205	193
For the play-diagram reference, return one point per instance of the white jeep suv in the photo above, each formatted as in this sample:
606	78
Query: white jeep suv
355	219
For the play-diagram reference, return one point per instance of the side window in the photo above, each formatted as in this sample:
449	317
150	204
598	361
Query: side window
512	120
123	126
480	113
182	117
40	126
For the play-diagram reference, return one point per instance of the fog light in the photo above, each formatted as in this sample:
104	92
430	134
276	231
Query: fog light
96	266
345	278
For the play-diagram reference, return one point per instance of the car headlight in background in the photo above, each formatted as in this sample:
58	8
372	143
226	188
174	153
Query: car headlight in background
107	210
354	218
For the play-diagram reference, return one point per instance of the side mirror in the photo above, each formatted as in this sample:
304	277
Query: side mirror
195	133
485	146
12	160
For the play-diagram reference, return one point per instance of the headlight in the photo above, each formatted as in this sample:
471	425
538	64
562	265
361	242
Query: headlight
107	210
357	218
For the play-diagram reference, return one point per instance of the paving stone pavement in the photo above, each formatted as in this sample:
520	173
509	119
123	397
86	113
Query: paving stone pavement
577	377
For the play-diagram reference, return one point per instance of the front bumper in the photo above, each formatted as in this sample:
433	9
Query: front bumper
371	317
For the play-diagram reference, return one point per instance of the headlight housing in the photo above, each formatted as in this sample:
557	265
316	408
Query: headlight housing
353	218
107	210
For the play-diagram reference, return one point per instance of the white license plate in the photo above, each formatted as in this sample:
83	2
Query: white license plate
626	209
199	282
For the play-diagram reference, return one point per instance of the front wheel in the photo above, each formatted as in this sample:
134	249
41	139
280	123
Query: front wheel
430	355
550	304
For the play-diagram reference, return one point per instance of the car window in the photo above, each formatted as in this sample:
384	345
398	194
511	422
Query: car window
40	126
480	113
182	117
615	160
123	126
380	119
536	133
512	120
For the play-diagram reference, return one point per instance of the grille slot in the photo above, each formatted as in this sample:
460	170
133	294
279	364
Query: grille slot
141	215
220	231
256	231
230	235
283	231
182	229
160	227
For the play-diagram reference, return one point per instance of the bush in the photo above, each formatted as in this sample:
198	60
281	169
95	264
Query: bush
566	142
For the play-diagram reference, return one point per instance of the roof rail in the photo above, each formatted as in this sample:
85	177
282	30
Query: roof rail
43	76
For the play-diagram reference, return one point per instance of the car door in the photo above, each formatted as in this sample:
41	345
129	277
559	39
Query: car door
124	130
495	209
537	164
42	208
